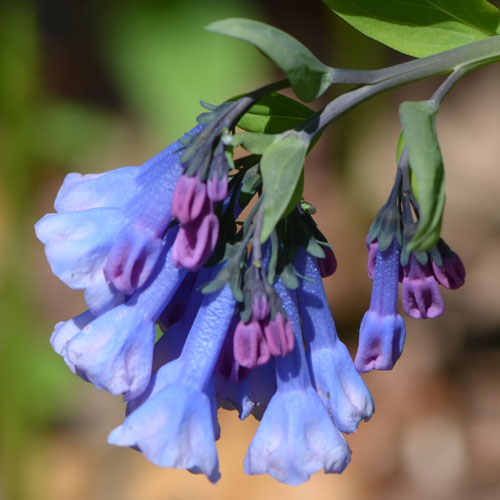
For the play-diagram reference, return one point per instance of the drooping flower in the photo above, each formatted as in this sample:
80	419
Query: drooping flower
382	331
174	425
109	244
335	378
296	436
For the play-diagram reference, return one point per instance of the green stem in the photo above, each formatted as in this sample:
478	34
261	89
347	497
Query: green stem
483	52
457	61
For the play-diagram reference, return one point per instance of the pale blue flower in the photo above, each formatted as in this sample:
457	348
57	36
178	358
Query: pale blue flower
296	436
174	425
335	378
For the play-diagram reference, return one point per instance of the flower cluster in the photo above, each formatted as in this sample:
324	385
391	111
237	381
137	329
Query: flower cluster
158	246
382	332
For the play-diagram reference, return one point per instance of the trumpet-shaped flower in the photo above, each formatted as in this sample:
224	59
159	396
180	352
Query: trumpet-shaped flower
296	436
335	378
382	331
174	425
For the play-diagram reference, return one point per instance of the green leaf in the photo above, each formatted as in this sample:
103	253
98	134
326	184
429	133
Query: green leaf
420	27
307	75
273	114
281	167
419	128
254	142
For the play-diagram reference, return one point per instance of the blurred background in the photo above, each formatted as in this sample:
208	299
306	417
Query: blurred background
89	86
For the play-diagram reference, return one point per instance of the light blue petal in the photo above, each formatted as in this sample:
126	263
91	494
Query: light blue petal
296	438
110	189
115	351
100	296
65	331
206	337
77	243
335	378
173	428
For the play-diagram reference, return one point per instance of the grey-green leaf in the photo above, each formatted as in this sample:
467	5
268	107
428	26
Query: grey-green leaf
307	75
254	142
419	129
420	27
281	168
273	114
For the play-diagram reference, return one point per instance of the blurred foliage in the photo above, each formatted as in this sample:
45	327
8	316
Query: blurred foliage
154	62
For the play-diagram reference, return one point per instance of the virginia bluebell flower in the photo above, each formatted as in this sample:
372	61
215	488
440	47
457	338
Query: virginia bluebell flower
296	436
382	331
137	240
335	378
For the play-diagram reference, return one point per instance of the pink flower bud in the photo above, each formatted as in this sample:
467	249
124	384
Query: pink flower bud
189	199
195	242
249	345
132	258
279	335
420	293
452	274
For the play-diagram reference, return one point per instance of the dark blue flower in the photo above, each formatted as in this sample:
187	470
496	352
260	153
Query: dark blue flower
382	331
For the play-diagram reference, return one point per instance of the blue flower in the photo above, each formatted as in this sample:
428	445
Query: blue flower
107	234
335	378
174	425
114	350
296	436
382	331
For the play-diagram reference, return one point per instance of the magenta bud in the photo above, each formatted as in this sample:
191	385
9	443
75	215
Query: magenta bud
217	188
327	265
452	274
132	259
420	292
260	307
372	256
249	345
279	336
195	242
189	199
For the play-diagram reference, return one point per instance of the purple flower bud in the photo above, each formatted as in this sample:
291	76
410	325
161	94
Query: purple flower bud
249	345
420	293
382	331
260	307
195	242
133	257
217	188
327	265
279	335
189	200
452	273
